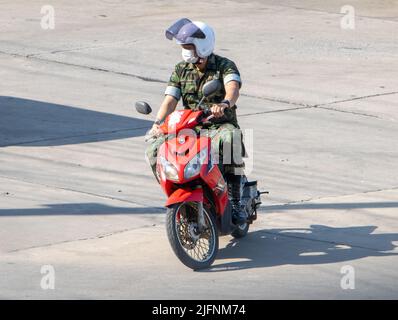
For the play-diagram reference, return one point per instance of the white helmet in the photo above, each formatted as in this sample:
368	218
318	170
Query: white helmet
197	33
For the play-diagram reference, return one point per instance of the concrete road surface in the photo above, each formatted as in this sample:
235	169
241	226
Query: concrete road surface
77	195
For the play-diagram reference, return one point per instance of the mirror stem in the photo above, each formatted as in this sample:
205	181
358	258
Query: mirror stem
201	101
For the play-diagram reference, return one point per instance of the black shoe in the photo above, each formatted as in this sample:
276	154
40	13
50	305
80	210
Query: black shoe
239	215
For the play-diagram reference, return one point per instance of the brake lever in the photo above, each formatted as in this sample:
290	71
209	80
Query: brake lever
207	115
149	138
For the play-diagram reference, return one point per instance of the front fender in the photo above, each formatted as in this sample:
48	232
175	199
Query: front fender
185	195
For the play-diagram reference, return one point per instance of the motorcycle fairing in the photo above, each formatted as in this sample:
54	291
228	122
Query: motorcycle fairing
180	150
216	182
185	195
180	119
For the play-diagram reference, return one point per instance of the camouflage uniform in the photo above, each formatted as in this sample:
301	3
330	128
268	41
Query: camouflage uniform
186	82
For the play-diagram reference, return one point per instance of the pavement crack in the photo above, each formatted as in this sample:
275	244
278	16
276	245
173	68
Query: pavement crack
323	241
276	100
350	112
150	79
99	236
161	209
274	111
34	57
73	136
99	46
390	19
264	208
143	78
325	106
358	98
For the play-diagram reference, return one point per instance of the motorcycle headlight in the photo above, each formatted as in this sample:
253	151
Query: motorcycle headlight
193	167
168	169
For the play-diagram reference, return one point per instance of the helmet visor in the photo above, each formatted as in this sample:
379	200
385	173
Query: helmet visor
184	29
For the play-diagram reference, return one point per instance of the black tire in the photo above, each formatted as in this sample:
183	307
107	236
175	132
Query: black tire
177	246
240	231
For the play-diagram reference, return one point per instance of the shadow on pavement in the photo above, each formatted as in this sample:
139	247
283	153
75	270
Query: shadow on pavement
36	123
79	209
315	245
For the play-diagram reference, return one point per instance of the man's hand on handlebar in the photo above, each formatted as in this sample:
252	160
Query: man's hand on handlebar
155	130
218	109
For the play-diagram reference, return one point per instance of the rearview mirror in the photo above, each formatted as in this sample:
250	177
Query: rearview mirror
211	87
143	107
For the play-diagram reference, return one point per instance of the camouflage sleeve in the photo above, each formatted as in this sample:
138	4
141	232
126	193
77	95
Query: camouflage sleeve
174	84
230	72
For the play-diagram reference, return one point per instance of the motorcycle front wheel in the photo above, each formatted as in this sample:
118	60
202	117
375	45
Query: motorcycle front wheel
195	248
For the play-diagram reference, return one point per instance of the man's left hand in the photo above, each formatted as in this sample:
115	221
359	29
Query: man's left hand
218	109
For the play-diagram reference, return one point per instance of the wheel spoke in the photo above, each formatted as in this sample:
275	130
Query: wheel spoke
202	248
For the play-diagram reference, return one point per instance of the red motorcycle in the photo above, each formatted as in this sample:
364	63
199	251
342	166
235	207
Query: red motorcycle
198	210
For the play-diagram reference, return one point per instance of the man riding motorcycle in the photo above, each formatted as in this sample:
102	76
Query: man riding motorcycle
200	65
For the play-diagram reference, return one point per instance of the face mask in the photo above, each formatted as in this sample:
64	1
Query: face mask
189	56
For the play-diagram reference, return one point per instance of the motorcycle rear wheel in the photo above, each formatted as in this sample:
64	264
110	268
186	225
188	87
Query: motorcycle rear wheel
195	250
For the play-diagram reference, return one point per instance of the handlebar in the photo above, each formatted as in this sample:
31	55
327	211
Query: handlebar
206	115
207	112
203	118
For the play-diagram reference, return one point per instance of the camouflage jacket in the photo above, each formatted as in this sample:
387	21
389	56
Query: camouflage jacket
186	82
